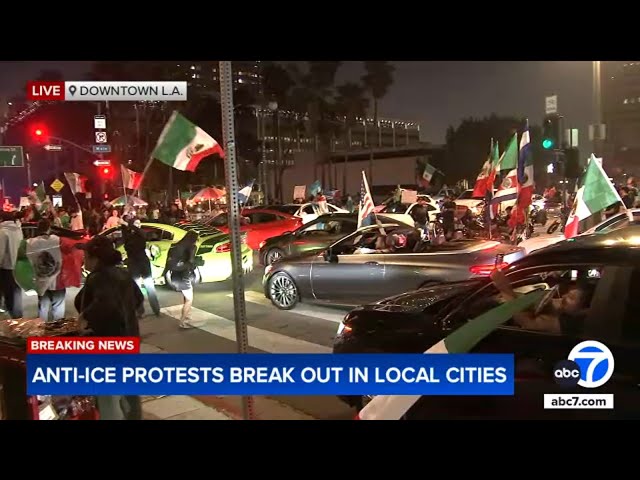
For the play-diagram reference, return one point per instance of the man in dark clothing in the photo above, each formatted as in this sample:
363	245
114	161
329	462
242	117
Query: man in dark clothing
135	244
627	199
449	217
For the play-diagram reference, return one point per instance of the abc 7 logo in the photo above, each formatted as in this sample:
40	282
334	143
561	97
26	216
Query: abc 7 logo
590	365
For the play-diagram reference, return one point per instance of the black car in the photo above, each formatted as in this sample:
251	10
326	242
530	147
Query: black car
315	235
605	267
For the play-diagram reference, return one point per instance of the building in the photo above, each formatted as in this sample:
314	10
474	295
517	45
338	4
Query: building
206	76
620	90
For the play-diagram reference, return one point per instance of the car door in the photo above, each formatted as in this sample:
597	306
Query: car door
320	234
262	225
346	277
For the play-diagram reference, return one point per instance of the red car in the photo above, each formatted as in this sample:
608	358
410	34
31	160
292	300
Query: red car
260	224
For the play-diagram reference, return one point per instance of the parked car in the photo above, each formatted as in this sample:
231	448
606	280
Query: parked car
313	236
213	246
605	266
259	224
620	220
306	211
342	275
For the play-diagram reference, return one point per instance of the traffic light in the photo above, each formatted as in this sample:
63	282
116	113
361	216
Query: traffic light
39	133
551	132
105	172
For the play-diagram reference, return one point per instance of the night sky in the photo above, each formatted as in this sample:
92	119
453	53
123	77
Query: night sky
435	94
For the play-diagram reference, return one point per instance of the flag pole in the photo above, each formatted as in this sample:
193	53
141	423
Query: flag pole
144	174
489	194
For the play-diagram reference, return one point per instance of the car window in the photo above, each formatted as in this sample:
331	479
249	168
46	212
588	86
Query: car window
152	234
262	217
363	238
395	207
113	234
167	235
564	309
309	209
610	223
331	226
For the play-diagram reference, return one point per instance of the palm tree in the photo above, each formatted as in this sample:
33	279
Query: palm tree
378	78
351	104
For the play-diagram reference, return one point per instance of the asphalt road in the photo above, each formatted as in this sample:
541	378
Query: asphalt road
306	329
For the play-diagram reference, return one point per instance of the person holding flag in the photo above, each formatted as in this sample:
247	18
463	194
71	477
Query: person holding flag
366	210
595	194
520	215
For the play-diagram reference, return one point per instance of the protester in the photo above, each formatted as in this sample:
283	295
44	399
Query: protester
181	263
10	240
109	305
56	266
113	221
135	244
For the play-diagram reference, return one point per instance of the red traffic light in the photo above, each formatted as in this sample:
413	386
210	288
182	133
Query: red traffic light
38	132
106	171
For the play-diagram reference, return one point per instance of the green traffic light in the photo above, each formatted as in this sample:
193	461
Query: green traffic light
547	143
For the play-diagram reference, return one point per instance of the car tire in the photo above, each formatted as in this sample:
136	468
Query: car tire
272	256
283	291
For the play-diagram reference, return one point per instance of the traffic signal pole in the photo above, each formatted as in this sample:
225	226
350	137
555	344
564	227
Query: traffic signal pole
228	133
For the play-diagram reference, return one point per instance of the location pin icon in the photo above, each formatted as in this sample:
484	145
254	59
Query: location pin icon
72	89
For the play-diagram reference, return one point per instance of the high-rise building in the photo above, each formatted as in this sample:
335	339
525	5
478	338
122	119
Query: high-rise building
620	83
206	76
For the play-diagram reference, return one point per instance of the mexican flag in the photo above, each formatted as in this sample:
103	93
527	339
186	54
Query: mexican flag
182	145
76	182
480	188
427	175
462	340
594	195
525	171
130	179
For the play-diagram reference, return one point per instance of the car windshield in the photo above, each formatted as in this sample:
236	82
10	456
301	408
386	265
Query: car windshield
395	207
290	209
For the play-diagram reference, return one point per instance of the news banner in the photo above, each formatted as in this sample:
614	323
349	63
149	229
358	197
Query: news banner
114	366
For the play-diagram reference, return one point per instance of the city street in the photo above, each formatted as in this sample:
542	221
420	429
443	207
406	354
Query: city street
306	329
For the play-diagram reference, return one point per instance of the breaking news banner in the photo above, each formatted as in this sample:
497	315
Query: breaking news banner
72	91
66	367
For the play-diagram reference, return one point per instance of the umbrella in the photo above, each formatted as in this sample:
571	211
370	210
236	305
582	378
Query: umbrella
209	194
128	200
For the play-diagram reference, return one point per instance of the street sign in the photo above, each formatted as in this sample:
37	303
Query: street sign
551	104
100	122
102	163
53	148
101	137
57	185
101	148
11	157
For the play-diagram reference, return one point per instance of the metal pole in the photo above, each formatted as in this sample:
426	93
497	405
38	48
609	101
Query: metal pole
265	175
597	105
228	132
28	170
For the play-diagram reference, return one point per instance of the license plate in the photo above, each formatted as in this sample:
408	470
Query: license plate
340	328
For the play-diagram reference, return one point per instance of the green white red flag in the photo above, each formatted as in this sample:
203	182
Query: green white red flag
182	144
594	195
462	340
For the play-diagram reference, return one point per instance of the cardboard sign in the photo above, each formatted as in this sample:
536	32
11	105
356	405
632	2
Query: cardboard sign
299	191
409	196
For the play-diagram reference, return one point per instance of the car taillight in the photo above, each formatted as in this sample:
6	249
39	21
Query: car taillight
224	248
486	270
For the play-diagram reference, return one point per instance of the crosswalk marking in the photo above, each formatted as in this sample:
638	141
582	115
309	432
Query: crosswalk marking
264	340
315	311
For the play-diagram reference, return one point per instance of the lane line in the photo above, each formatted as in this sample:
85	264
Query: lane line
264	340
308	311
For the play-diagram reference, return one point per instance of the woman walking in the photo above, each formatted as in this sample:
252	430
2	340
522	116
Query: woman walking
181	265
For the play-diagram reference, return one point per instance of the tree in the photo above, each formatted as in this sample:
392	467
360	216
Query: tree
378	78
468	145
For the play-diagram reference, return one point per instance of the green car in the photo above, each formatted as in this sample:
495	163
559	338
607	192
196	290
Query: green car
214	250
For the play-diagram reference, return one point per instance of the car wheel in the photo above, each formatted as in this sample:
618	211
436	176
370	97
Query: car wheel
273	255
283	291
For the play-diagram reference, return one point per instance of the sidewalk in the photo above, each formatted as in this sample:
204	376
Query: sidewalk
181	407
